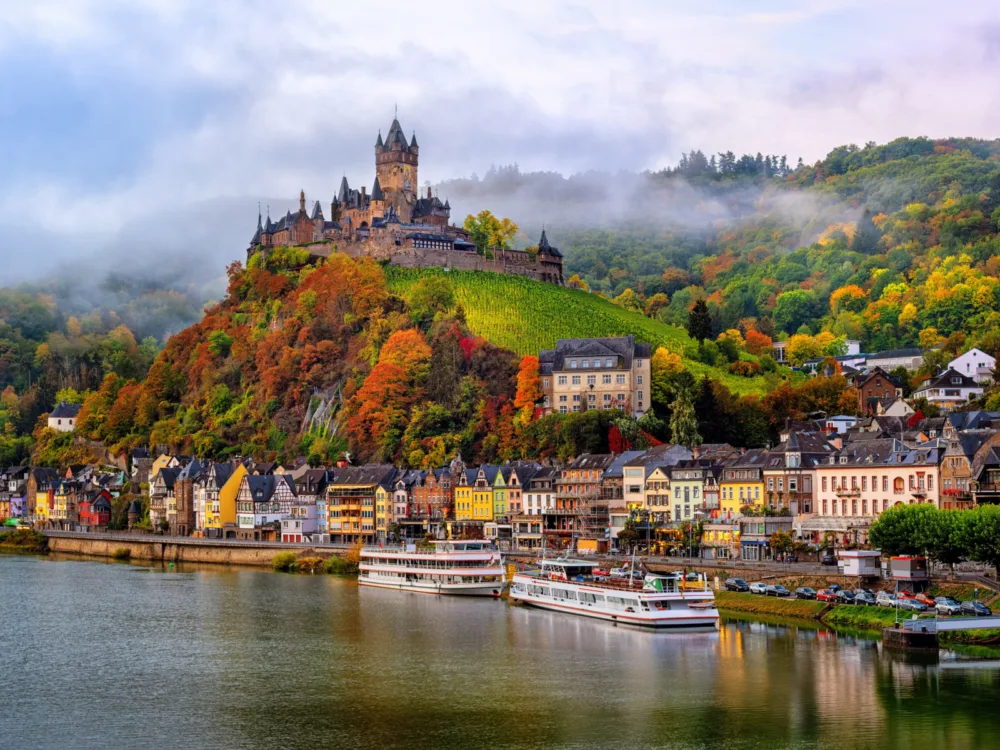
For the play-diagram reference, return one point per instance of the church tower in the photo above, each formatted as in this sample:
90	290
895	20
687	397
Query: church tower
396	170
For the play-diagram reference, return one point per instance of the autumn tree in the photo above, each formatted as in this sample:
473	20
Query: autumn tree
488	232
663	366
758	343
529	390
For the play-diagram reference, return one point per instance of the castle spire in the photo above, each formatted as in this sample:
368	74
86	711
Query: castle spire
413	140
379	143
377	191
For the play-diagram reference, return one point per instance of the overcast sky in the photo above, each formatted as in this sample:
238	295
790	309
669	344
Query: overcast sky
147	125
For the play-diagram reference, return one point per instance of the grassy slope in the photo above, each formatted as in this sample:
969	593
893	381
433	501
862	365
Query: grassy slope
767	605
526	316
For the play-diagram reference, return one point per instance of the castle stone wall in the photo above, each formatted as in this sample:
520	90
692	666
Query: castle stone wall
463	261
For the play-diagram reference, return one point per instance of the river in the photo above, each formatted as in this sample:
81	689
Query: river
118	655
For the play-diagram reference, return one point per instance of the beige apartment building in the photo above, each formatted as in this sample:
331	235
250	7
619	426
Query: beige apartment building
605	373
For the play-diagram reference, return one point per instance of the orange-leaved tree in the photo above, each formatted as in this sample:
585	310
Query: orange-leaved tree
529	389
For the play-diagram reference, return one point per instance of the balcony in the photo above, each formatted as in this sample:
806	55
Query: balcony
845	492
561	512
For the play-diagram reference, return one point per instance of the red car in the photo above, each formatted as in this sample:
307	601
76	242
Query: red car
902	595
924	599
826	596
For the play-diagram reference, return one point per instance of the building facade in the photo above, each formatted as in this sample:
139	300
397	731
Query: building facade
605	373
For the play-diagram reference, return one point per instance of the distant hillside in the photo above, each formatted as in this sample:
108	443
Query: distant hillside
527	316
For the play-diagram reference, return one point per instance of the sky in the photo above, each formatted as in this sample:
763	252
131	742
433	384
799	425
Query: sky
135	132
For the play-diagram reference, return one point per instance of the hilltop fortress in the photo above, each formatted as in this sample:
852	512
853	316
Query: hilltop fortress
394	223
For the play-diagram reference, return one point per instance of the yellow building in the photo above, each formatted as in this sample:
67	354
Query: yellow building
217	515
743	483
463	497
383	512
482	493
657	493
163	461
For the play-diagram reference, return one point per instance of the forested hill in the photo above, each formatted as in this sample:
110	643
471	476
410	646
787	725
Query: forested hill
891	244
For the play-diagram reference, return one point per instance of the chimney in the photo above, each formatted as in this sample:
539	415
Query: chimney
428	192
363	191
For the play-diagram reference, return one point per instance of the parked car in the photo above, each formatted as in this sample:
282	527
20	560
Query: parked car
834	587
913	605
758	588
924	599
945	605
845	597
804	592
976	609
826	596
790	558
828	560
737	584
863	597
776	589
886	599
904	596
861	589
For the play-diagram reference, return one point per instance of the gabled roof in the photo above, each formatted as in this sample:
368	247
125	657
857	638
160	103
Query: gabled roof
169	476
65	411
897	353
599	461
945	380
617	466
367	475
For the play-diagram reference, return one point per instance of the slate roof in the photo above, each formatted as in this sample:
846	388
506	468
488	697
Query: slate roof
545	248
599	461
621	348
376	192
369	474
897	353
65	411
616	469
944	380
169	477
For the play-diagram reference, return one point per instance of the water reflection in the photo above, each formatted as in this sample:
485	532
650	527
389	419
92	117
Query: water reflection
206	658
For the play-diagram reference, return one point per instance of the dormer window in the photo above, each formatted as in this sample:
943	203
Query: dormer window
609	363
956	381
585	363
572	364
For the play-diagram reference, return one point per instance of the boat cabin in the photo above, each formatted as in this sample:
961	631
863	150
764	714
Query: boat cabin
568	570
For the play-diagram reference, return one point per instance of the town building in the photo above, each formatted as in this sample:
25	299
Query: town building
874	387
949	390
613	490
975	364
756	533
161	495
578	490
261	503
351	500
720	540
957	475
63	417
909	358
743	483
789	472
596	373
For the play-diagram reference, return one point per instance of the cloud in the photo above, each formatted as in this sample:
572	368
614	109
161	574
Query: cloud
153	128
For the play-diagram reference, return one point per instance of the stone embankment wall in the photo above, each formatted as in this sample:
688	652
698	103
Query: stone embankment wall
461	261
165	549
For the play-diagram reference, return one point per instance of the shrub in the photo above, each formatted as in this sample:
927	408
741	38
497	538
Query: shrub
745	369
122	553
311	565
341	566
285	562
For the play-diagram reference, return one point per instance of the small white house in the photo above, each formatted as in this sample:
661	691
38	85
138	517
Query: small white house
975	364
898	408
861	563
841	423
949	390
301	525
63	417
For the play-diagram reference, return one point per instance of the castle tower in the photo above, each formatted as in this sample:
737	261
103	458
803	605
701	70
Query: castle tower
396	170
377	201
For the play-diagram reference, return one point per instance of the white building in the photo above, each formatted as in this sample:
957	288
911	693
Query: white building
889	360
898	408
975	364
301	524
63	417
949	390
861	563
841	423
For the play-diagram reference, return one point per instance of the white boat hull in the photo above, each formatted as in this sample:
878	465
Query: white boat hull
676	621
446	589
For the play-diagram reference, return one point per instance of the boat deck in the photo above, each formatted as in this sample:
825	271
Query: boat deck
615	584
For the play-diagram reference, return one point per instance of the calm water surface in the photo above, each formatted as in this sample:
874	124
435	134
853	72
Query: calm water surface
110	655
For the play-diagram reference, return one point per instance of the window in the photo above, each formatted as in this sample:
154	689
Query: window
620	379
930	482
885	484
576	398
756	493
545	382
638	379
605	380
638	397
585	364
591	380
824	486
864	483
864	507
561	380
591	398
572	364
824	506
638	364
562	399
576	380
621	397
781	485
677	492
770	483
609	363
607	398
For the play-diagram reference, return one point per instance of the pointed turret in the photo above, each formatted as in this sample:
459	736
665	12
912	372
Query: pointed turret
543	244
317	211
268	225
344	190
413	141
379	144
260	230
377	191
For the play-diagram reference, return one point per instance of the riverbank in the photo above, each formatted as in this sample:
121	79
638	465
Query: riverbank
23	540
152	548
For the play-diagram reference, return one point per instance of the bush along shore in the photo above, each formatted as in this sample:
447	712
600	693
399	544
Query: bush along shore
24	540
289	562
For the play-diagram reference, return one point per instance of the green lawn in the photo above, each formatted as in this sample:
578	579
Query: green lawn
755	604
527	316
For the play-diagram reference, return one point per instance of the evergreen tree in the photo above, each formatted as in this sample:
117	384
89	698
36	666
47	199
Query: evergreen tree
683	420
700	321
866	235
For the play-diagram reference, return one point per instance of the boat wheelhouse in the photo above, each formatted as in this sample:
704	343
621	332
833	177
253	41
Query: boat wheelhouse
463	567
670	600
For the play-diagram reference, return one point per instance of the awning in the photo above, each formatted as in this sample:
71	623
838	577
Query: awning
833	523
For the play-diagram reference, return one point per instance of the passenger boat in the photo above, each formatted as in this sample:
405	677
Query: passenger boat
456	567
660	601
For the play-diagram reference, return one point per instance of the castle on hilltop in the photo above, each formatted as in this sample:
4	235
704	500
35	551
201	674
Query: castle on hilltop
394	223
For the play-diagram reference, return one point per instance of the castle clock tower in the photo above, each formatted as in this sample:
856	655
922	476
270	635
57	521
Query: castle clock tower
396	170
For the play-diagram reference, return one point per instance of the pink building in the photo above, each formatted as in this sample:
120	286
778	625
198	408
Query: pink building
865	479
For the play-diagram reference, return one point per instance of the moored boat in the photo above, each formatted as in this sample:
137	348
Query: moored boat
456	567
659	601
